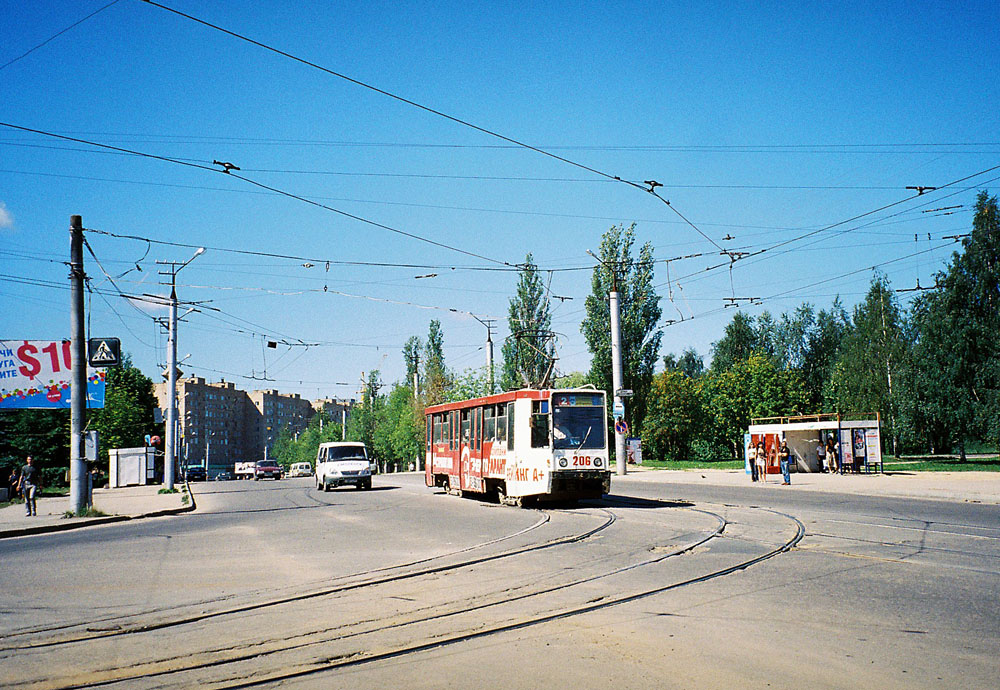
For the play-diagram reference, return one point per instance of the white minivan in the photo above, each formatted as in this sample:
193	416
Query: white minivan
343	462
300	469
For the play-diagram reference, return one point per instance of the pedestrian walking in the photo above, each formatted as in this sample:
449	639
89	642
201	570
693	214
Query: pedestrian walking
783	458
12	481
761	462
29	486
832	453
752	459
821	454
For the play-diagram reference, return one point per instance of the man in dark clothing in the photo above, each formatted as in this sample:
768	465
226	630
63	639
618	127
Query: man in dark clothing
29	486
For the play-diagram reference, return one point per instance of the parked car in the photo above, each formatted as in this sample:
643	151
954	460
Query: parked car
223	476
267	469
195	473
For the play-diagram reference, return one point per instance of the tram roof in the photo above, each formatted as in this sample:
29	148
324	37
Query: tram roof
524	393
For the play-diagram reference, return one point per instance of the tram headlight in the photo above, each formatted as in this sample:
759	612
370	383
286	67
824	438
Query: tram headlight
563	462
598	462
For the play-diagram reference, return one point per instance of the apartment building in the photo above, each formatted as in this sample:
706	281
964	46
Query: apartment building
221	424
269	413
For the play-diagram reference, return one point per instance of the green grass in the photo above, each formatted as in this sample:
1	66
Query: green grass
918	464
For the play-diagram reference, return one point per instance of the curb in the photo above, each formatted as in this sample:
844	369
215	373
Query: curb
93	522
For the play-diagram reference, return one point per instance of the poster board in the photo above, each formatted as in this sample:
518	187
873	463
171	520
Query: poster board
35	374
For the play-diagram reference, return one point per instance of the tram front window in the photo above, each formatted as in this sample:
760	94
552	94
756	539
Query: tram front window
578	427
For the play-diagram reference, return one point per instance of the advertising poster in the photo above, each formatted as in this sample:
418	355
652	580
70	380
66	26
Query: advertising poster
874	445
859	445
35	374
747	447
846	452
633	448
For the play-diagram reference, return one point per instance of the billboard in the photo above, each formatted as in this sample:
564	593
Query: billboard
35	374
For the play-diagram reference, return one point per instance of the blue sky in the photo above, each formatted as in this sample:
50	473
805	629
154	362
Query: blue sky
763	122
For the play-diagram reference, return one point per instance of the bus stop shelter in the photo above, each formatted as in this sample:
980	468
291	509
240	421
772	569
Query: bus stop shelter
856	439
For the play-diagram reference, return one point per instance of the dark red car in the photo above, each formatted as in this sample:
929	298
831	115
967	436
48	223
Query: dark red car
267	469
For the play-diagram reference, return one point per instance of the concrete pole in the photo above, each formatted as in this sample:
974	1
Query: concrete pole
489	356
169	449
621	459
416	393
343	422
78	374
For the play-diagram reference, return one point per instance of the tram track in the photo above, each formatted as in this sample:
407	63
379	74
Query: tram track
111	630
359	660
166	668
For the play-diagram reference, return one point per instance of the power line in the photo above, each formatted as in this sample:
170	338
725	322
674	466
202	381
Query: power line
229	140
844	222
308	259
250	181
648	186
57	35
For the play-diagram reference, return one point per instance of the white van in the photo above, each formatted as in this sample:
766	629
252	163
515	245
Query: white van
300	469
345	462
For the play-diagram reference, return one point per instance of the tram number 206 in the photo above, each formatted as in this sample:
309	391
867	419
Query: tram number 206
581	461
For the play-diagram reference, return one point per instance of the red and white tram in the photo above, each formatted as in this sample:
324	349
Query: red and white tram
522	444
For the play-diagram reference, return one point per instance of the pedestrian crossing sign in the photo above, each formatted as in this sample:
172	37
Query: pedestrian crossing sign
104	352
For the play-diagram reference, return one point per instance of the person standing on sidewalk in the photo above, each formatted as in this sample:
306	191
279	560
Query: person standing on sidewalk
29	486
783	457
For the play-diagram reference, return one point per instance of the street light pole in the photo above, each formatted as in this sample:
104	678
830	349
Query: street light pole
489	348
621	459
170	448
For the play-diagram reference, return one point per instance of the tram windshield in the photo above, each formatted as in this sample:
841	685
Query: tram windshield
578	427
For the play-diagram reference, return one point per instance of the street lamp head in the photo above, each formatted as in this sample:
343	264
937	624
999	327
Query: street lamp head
200	251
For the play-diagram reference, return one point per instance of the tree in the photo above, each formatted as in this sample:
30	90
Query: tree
674	416
411	356
690	363
288	449
822	344
528	353
127	416
42	434
397	439
957	351
436	378
362	424
472	383
574	379
738	342
753	387
640	312
867	371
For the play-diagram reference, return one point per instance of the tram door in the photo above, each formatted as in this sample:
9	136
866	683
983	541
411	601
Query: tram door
477	450
465	448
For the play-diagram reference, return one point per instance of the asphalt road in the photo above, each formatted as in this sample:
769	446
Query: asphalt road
660	585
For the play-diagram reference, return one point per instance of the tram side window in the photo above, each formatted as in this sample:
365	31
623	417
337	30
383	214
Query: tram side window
539	423
491	423
479	429
429	434
501	436
451	430
510	426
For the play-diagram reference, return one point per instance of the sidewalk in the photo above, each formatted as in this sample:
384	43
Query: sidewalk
127	503
976	487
